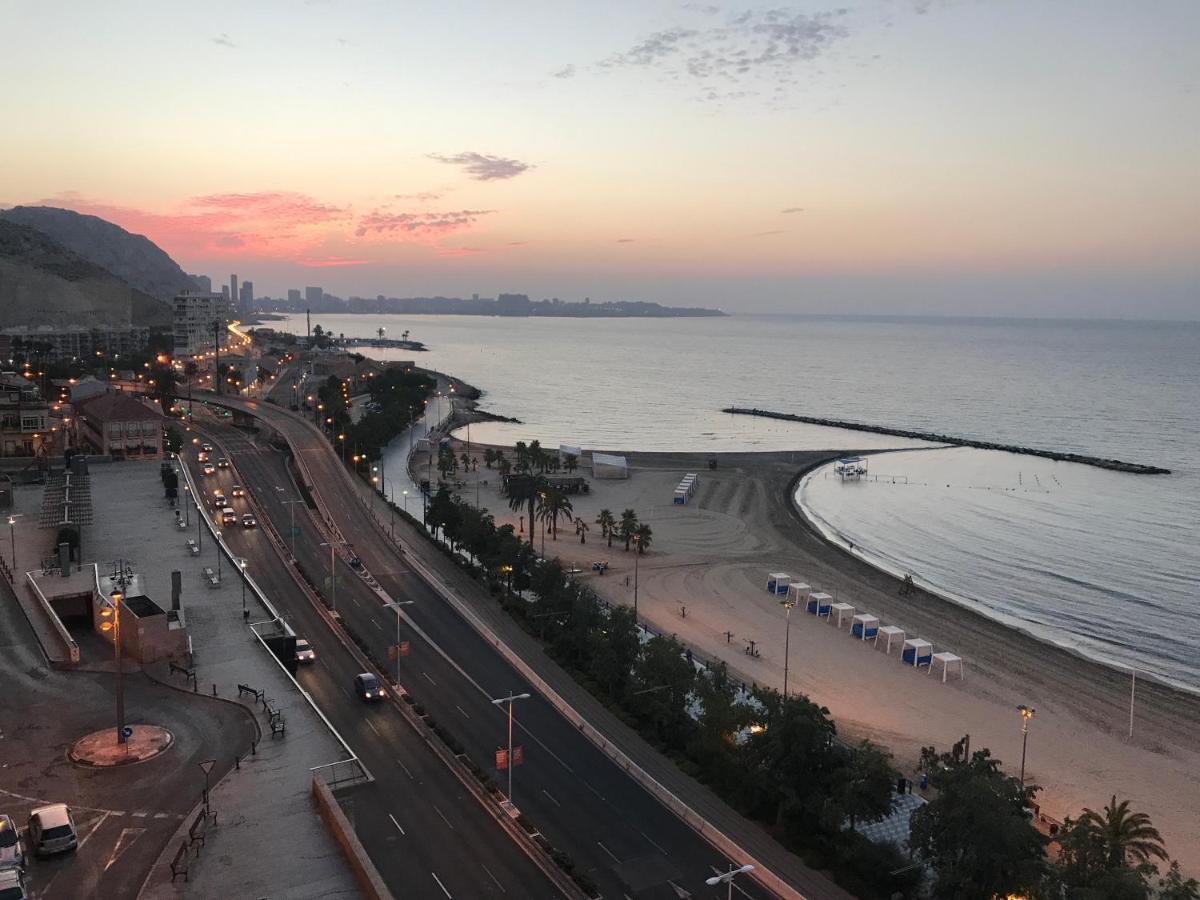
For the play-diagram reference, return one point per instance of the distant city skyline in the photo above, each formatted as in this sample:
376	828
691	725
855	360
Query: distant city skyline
899	157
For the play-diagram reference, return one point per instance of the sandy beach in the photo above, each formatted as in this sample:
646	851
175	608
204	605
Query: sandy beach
710	558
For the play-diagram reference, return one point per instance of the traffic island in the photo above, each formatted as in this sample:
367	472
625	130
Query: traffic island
100	749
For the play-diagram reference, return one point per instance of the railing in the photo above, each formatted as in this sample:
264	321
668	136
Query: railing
340	773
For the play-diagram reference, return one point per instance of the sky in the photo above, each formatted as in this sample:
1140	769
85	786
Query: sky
897	157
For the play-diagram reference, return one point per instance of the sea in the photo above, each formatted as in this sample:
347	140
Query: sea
1103	562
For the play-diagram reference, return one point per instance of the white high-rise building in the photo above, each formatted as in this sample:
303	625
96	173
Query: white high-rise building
195	313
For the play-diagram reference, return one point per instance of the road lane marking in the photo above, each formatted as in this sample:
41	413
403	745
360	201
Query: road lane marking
656	847
442	886
405	768
376	624
431	681
95	828
160	815
394	822
442	814
552	800
609	852
121	846
461	710
371	725
494	878
594	791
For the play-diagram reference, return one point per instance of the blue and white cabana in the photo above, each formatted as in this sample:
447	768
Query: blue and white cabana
889	633
918	652
864	627
820	604
777	582
840	611
798	592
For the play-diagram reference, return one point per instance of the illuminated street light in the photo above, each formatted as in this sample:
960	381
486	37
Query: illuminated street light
1027	713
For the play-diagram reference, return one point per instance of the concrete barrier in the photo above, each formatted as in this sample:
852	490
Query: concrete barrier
339	826
69	644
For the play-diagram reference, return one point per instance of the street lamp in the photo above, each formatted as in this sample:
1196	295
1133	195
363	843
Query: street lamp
787	603
405	493
242	565
291	505
12	536
500	701
1027	713
398	604
727	878
332	545
113	608
218	542
637	544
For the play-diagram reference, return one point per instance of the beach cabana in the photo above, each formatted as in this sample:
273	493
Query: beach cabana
947	660
777	582
820	603
889	633
840	611
918	652
565	450
798	592
608	465
864	626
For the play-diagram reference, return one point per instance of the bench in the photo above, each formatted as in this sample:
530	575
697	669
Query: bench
179	865
198	828
210	576
192	547
180	524
277	726
246	689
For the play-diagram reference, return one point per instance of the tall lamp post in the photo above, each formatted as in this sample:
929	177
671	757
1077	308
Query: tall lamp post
332	545
398	604
501	701
12	536
1027	713
787	604
113	608
727	878
218	543
637	548
291	505
242	565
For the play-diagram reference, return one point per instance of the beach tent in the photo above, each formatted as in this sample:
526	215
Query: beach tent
565	450
799	591
607	465
864	626
777	582
917	652
820	603
680	498
947	660
890	633
841	610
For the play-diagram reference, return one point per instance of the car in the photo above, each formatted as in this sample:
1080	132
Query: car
368	687
238	491
304	651
355	562
10	845
219	500
206	447
202	456
12	884
222	462
248	521
52	830
229	516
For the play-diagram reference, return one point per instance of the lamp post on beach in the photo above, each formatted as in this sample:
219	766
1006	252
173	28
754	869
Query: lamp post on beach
1027	713
787	604
637	551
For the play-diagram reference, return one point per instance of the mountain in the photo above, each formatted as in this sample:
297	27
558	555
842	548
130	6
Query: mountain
44	283
131	257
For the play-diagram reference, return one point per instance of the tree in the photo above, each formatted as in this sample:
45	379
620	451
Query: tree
1175	887
1108	855
489	457
607	524
722	717
555	505
525	490
662	681
466	461
521	452
977	833
571	463
644	536
864	785
1128	838
615	648
628	526
581	529
537	456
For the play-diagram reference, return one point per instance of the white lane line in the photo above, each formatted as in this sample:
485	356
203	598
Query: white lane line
461	710
371	725
394	822
431	681
347	693
442	814
552	800
139	815
377	625
494	878
160	815
442	886
656	847
594	791
610	853
400	763
95	828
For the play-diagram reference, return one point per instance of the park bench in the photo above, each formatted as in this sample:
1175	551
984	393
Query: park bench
180	524
198	828
192	547
179	865
277	726
210	576
246	689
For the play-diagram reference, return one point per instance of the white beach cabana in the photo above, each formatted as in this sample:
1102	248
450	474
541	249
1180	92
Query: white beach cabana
798	592
841	611
947	660
864	626
917	651
889	633
608	465
777	582
819	604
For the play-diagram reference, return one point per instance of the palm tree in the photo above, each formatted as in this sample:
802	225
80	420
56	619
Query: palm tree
571	463
521	452
381	332
489	457
526	490
607	524
1125	836
628	526
555	505
581	529
644	536
405	335
537	456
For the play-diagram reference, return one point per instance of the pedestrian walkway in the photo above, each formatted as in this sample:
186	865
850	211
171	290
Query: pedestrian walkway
269	840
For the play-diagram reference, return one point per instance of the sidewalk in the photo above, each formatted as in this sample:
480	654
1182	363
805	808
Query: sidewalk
269	840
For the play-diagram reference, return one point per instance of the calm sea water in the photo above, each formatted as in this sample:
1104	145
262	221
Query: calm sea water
1105	562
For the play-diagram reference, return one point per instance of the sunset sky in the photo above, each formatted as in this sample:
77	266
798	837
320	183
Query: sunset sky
981	157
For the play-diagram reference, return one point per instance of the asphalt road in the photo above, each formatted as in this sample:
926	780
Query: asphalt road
612	827
124	815
425	833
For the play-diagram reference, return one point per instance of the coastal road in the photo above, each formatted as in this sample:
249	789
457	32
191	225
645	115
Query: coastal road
609	824
425	833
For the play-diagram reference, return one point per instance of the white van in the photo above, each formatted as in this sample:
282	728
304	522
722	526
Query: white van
52	830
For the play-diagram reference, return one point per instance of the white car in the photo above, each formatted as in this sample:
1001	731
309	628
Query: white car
52	830
12	884
10	845
229	516
209	469
304	651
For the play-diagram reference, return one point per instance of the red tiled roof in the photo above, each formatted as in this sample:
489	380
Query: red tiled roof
117	408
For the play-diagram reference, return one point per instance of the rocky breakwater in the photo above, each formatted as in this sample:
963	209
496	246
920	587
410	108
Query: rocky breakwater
1114	464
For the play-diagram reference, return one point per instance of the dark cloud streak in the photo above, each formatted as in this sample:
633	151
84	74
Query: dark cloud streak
482	167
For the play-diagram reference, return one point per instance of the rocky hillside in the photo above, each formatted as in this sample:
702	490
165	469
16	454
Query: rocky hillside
131	257
44	283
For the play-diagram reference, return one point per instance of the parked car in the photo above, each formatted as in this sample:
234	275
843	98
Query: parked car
238	491
229	516
222	463
12	884
209	469
368	687
52	830
304	651
248	521
10	844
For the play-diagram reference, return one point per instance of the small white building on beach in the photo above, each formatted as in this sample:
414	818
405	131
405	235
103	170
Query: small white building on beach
608	465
